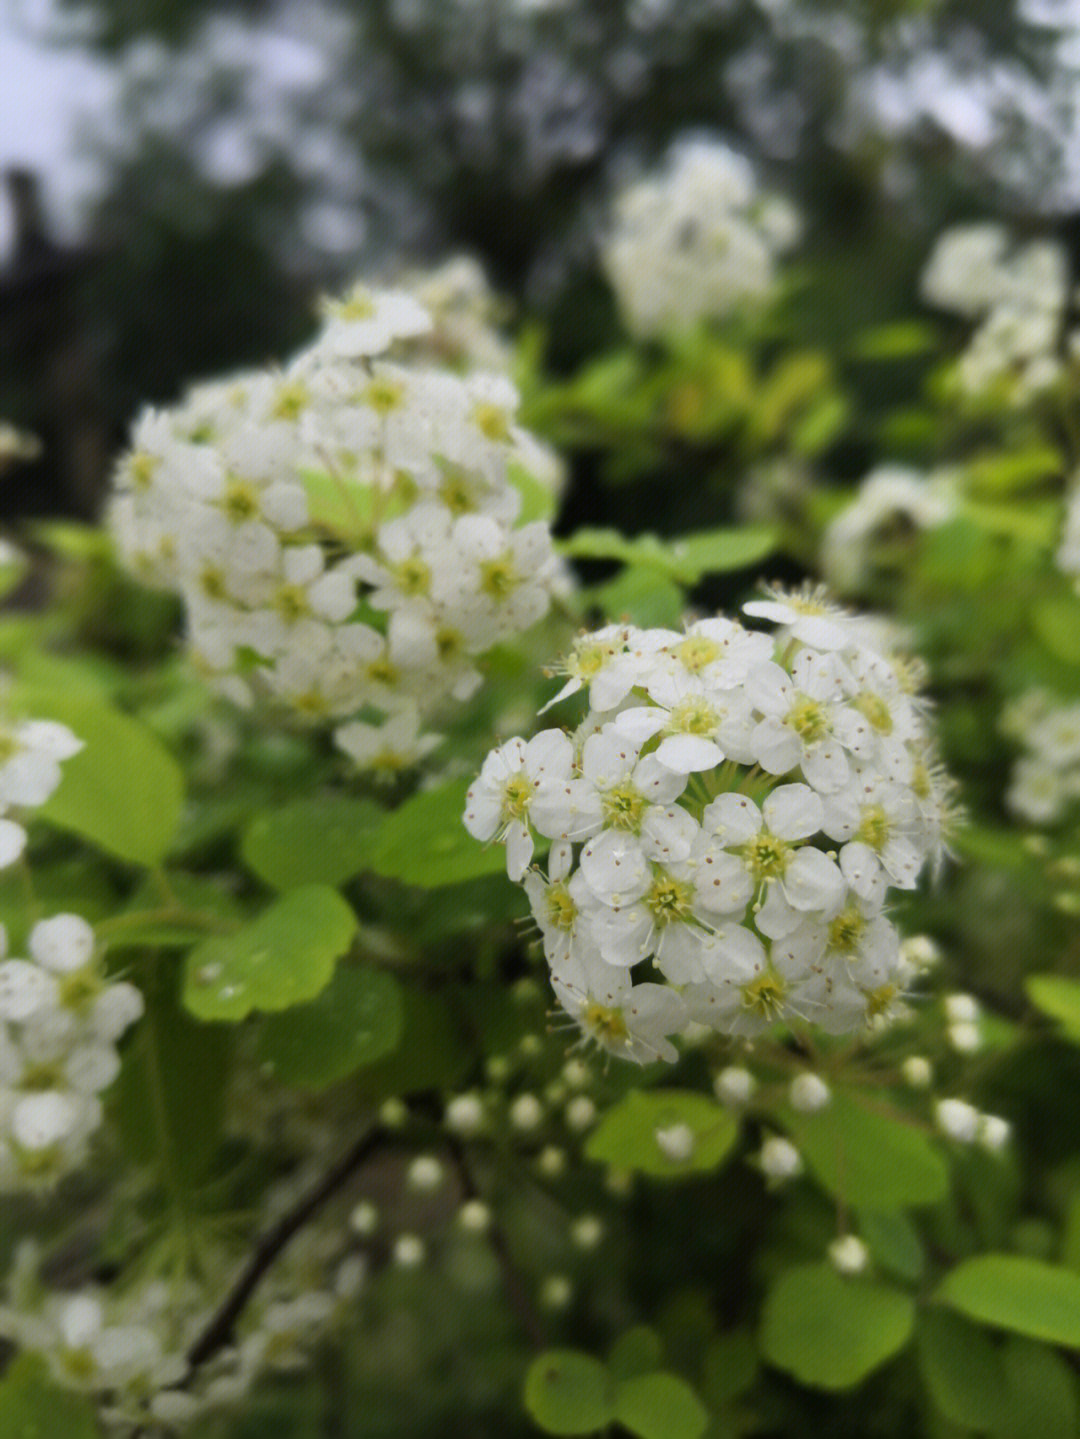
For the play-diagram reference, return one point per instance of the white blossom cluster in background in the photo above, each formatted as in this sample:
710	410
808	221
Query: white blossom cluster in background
892	502
60	1022
726	825
1020	296
128	1348
343	530
697	241
1045	781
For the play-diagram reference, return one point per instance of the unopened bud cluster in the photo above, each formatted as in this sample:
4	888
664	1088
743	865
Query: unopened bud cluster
1046	778
342	530
726	825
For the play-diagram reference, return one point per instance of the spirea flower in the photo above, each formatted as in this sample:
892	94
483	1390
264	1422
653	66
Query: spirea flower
725	826
343	531
695	242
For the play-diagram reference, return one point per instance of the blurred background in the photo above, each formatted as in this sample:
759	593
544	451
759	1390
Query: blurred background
182	179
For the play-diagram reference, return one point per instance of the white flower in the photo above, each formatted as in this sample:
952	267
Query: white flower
500	802
62	944
365	322
734	1086
808	1093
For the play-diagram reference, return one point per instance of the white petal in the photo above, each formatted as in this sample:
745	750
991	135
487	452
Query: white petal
685	753
793	811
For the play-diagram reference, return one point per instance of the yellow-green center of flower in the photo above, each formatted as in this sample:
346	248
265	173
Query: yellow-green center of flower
586	661
383	671
291	603
766	856
412	576
517	793
459	491
491	420
213	583
878	1000
357	306
874	709
920	780
874	827
79	988
450	643
846	930
670	899
499	577
765	995
9	745
697	651
78	1363
40	1078
561	910
142	467
291	400
693	716
624	807
606	1024
312	703
384	394
241	501
809	718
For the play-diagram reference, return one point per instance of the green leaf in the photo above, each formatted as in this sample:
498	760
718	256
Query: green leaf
1057	997
32	1407
870	1160
660	1406
961	1368
637	1351
356	1020
283	957
538	501
321	840
124	791
626	1135
641	596
1041	1393
567	1392
684	559
1026	1296
432	1053
202	906
894	1242
895	340
424	841
336	505
1057	623
831	1331
731	1366
172	1087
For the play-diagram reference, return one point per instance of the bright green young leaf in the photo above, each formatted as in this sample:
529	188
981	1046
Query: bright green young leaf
356	1020
538	501
684	559
895	340
32	1407
870	1160
1057	623
283	957
829	1330
893	1242
335	505
1059	998
1026	1296
642	596
636	1351
123	791
627	1135
321	840
567	1392
660	1406
961	1367
424	841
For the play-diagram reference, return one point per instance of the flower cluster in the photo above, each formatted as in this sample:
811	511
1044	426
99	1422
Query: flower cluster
30	755
728	819
892	503
1046	779
696	242
60	1021
129	1348
1068	555
342	531
1020	295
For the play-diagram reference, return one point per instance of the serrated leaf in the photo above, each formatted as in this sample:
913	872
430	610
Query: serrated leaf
961	1368
356	1020
424	841
829	1330
870	1160
627	1134
1026	1296
123	791
660	1406
567	1392
1057	997
322	840
285	956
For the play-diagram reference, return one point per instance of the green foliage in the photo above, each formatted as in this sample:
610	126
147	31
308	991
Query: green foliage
568	1393
830	1331
356	1020
322	840
869	1159
31	1407
1059	998
283	957
627	1134
123	791
1026	1296
660	1406
684	560
423	842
